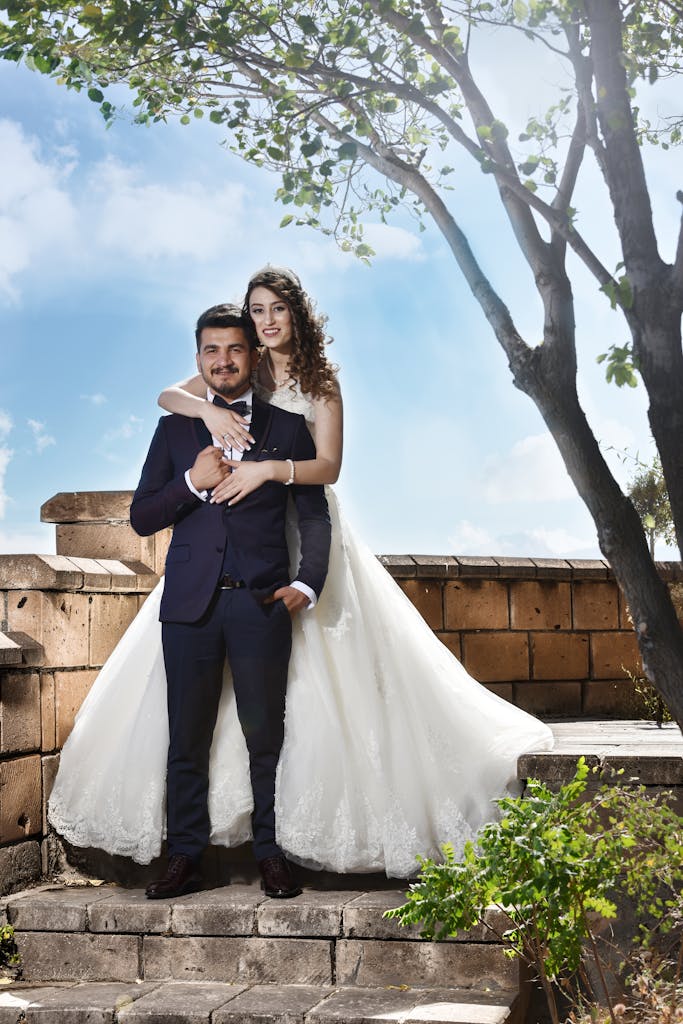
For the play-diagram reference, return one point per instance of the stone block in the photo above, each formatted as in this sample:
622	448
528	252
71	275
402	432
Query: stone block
614	654
540	604
78	956
559	655
34	572
225	911
313	914
19	712
496	657
162	540
400	566
595	604
32	653
363	918
49	766
555	568
110	617
10	651
428	599
181	1004
128	912
476	604
475	565
440	1006
614	698
58	621
47	711
241	960
95	576
515	567
503	690
435	565
18	1003
71	689
20	865
53	910
561	698
377	962
86	507
20	798
104	540
123	576
452	642
84	1004
589	568
271	1004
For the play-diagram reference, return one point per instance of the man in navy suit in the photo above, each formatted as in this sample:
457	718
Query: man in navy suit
227	595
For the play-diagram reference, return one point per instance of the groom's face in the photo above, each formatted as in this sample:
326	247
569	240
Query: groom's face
226	361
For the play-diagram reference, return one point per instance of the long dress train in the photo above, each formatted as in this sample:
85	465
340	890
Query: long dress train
390	749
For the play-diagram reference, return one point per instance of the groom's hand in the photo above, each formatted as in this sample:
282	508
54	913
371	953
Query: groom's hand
293	598
208	469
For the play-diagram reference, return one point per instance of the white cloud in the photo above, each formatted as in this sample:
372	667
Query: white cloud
42	439
97	399
40	540
532	471
468	539
129	427
155	221
36	213
5	456
393	243
537	542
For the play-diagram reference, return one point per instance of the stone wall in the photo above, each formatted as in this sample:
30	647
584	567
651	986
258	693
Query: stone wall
552	636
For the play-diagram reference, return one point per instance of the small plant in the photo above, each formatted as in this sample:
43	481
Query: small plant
10	957
555	864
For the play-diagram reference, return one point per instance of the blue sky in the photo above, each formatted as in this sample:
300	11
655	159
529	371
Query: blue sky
113	241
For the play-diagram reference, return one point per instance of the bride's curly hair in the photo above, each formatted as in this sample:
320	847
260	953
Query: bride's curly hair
308	363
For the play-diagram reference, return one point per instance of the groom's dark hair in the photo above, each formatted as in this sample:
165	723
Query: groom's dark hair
223	315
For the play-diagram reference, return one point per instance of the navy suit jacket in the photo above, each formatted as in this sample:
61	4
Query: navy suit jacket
255	526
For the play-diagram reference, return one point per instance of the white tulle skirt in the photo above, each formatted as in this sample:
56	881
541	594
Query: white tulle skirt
390	750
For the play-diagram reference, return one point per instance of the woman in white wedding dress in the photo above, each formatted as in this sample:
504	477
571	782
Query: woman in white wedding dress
390	749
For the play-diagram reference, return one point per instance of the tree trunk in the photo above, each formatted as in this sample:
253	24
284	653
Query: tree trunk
620	532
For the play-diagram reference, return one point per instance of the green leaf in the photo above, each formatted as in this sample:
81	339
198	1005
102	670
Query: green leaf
95	95
286	220
347	151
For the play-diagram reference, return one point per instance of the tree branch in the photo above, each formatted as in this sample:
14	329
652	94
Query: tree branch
677	269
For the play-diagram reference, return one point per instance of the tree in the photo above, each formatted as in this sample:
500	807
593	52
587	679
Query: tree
360	104
647	491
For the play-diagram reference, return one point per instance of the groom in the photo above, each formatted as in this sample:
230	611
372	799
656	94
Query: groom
227	595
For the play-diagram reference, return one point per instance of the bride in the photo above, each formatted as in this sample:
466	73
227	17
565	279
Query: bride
391	749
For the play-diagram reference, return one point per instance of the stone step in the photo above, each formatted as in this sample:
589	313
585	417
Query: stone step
235	935
223	1003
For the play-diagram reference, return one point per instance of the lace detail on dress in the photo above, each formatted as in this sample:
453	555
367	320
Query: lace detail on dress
390	749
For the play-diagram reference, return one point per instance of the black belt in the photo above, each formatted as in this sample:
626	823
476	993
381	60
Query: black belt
228	583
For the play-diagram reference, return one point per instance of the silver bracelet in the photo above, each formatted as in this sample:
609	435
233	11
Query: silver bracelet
291	472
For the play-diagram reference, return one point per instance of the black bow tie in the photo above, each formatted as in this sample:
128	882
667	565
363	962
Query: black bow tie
240	407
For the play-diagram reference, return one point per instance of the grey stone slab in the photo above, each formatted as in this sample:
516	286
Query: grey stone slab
400	566
82	1004
183	1003
473	565
271	1004
129	912
226	911
311	914
438	1006
424	964
235	959
436	565
363	919
65	956
356	1005
63	909
15	1001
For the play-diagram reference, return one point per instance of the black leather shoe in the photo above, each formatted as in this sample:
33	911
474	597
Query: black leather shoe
278	879
181	877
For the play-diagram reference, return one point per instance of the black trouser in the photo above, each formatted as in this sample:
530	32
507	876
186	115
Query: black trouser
256	640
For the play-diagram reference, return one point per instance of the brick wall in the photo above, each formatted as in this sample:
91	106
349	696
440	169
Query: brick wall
551	635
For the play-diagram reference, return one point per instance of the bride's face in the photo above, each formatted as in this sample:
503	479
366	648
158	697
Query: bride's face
272	319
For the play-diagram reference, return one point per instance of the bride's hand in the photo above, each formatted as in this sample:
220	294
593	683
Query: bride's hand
245	478
229	429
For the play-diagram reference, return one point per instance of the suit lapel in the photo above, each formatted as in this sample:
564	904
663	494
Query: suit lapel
261	414
202	433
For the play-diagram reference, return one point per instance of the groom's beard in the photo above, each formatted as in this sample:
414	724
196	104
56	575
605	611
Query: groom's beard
228	386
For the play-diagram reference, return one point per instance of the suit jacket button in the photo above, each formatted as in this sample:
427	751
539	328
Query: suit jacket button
219	550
